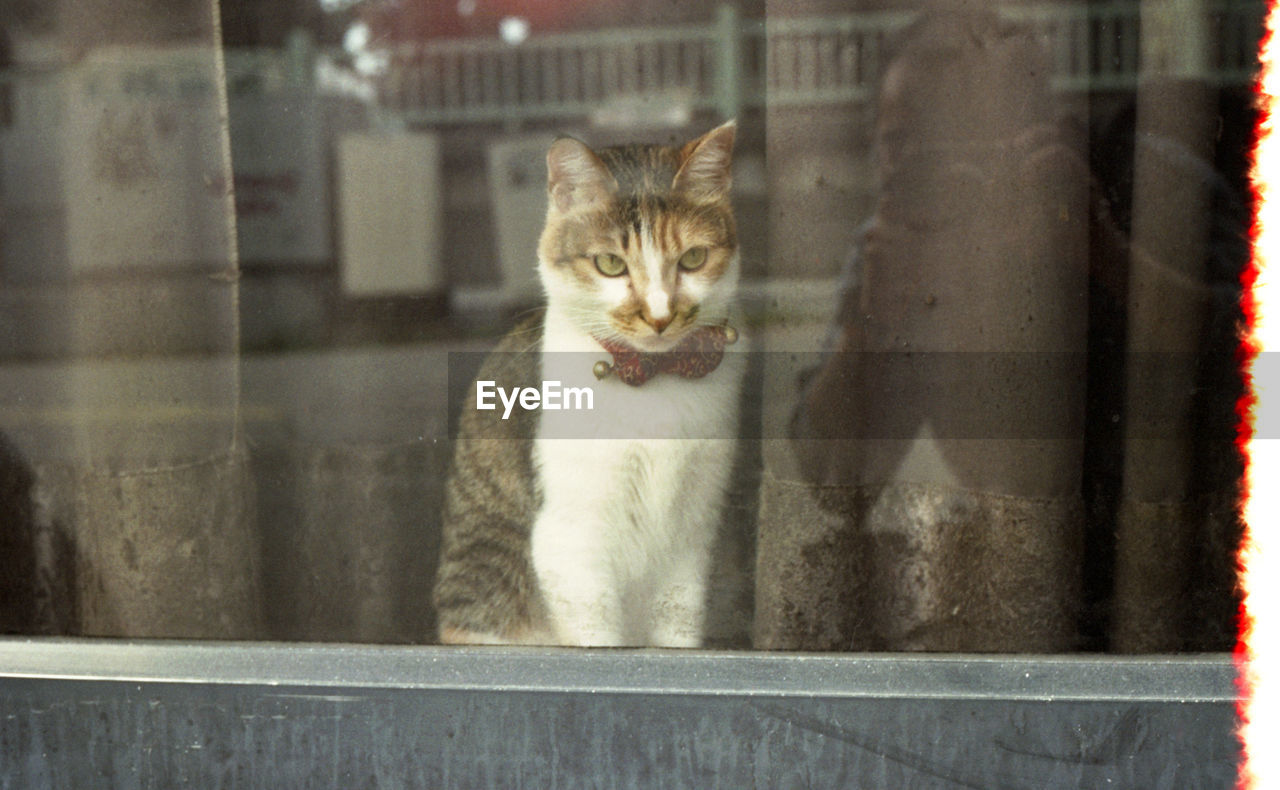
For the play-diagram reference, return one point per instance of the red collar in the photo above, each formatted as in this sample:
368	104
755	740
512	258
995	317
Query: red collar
694	357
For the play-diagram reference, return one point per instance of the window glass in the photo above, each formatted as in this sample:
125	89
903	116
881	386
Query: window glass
970	384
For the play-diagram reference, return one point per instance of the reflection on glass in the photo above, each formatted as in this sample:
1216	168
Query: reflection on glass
987	296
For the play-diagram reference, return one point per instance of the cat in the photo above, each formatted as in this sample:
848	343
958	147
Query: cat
553	537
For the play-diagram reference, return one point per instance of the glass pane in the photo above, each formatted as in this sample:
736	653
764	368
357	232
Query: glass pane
932	350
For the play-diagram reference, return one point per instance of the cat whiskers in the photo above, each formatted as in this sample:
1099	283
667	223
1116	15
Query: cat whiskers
591	322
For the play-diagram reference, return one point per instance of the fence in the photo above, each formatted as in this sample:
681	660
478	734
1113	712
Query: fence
734	61
724	65
468	81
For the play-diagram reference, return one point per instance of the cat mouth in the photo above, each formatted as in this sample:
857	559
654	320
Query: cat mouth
660	343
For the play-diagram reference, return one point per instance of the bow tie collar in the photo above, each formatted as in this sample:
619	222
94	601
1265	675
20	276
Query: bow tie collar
694	357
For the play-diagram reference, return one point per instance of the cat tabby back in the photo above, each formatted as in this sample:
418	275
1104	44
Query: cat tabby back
595	526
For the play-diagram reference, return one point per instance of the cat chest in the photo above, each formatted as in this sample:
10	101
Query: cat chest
637	496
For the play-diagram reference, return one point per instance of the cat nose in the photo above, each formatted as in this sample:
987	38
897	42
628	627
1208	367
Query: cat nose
659	324
658	315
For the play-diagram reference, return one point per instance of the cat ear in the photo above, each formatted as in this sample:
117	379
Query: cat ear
705	174
575	176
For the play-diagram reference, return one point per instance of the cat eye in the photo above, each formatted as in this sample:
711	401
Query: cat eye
693	259
610	265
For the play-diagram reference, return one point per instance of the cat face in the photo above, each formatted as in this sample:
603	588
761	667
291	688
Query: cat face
640	245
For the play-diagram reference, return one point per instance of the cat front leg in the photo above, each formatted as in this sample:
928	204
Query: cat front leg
579	588
677	609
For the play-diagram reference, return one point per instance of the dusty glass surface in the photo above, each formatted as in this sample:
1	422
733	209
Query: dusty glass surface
251	253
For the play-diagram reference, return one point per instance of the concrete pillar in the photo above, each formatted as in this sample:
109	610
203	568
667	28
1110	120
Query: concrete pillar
930	496
351	536
142	490
350	454
1166	311
17	542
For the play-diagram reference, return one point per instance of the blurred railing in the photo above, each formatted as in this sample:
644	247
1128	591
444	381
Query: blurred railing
724	65
1097	46
551	76
733	62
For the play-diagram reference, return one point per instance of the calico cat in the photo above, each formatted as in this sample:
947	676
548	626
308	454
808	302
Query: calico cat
554	537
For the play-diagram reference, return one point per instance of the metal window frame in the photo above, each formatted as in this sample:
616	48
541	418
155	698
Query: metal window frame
121	713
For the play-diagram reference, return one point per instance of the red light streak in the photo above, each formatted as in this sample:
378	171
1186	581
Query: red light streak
1256	652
